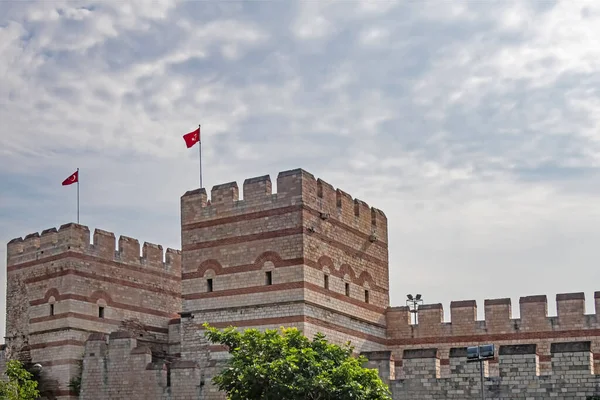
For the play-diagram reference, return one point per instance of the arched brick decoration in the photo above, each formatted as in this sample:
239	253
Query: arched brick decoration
52	293
101	294
365	277
325	261
345	269
326	265
268	256
210	264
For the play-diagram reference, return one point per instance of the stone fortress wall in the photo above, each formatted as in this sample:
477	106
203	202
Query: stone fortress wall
62	287
499	327
308	256
571	375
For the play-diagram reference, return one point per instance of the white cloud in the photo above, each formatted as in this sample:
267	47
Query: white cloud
474	126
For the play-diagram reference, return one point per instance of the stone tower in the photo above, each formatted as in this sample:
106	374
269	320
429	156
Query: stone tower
61	288
308	256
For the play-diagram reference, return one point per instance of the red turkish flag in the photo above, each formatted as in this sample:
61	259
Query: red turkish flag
192	138
71	179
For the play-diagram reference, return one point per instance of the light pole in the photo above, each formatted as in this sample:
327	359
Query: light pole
413	304
480	354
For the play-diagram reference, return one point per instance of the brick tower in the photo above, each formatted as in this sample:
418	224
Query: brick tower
61	288
308	256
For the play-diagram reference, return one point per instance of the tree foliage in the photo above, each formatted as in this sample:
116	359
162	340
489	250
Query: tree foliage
274	365
20	385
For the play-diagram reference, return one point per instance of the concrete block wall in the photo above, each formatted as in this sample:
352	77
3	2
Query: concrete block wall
498	327
58	281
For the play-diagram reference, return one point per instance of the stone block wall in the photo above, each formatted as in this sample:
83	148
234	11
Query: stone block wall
61	287
498	327
308	256
571	376
122	368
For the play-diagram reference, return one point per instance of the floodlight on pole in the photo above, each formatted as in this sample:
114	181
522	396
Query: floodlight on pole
480	354
413	303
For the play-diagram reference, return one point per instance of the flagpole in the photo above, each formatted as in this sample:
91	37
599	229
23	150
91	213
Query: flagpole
78	196
200	153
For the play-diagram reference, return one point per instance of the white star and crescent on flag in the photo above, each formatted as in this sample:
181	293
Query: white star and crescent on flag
192	138
74	177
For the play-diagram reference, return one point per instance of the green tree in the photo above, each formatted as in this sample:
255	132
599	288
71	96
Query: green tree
20	385
287	365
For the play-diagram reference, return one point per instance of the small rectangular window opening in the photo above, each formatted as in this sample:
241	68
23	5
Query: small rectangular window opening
326	281
51	309
347	289
366	296
269	278
209	285
100	312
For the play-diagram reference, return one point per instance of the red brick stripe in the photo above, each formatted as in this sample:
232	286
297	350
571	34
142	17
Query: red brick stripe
345	227
245	238
236	269
272	213
86	257
344	298
259	322
498	337
343	329
247	290
66	272
284	286
90	318
59	343
291	262
295	302
279	234
239	218
62	329
351	251
113	304
283	321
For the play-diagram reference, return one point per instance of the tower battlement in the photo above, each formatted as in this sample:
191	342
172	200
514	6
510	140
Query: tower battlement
498	317
294	188
76	238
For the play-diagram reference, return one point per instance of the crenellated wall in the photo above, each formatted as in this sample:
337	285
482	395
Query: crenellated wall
572	375
308	256
498	327
62	286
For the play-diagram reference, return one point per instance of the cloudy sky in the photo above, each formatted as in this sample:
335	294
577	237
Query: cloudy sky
474	125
